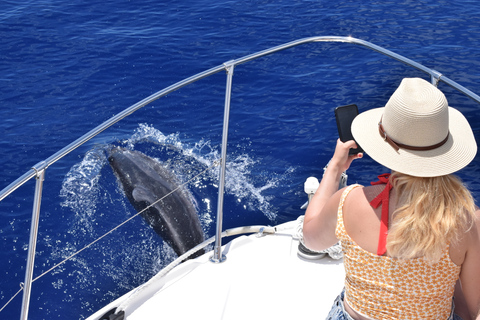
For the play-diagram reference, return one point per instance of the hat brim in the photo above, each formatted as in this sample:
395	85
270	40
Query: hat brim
455	154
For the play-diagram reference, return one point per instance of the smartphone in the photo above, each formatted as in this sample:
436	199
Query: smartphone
345	116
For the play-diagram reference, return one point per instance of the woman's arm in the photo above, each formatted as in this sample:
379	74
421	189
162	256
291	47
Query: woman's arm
321	215
470	273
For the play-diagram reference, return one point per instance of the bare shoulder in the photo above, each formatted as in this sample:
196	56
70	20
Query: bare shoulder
466	251
470	273
471	238
355	195
474	232
360	219
468	242
362	195
357	203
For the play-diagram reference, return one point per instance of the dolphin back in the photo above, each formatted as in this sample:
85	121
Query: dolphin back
157	193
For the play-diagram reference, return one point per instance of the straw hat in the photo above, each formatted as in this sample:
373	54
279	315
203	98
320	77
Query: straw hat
416	133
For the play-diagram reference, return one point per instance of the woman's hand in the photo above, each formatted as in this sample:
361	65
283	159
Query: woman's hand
320	218
341	158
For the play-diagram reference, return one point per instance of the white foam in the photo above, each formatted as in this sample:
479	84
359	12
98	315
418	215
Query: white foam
91	199
239	181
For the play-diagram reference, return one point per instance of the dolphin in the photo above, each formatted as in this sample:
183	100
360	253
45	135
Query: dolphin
144	181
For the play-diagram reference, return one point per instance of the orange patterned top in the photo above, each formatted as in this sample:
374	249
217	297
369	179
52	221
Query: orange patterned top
380	287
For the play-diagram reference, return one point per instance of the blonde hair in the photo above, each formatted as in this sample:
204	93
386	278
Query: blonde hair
431	213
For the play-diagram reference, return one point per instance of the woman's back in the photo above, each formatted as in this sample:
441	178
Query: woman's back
362	222
381	287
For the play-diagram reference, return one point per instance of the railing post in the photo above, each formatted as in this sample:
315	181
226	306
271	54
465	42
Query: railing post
217	250
435	77
40	176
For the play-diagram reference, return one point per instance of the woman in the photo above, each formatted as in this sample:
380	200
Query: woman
409	237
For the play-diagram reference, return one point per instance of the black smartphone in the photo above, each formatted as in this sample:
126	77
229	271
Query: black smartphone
345	116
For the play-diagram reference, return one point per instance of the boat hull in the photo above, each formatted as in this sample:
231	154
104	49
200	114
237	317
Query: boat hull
262	277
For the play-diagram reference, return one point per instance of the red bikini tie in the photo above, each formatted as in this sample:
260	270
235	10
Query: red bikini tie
382	199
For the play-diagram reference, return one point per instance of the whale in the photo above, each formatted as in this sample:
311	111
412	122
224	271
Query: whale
144	181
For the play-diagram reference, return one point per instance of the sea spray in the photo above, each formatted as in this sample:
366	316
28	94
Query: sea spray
94	199
241	180
81	189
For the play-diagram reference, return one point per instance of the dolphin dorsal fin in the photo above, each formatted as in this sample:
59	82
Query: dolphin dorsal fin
142	194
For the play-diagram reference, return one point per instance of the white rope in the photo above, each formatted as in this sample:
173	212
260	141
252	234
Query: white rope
215	164
335	251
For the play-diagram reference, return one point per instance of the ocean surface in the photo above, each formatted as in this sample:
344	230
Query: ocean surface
68	66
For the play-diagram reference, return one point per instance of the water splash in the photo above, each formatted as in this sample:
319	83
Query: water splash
93	199
240	180
81	188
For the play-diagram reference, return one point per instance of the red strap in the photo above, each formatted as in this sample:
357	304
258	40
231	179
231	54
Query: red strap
382	199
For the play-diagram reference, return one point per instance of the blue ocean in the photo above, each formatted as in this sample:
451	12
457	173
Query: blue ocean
68	66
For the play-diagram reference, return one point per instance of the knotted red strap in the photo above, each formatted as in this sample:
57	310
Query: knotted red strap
382	199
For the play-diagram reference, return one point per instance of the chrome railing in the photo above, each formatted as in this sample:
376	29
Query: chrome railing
38	171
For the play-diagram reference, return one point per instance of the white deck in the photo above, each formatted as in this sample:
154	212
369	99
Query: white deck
262	278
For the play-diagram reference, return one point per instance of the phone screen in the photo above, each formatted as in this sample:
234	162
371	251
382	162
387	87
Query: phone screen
345	116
